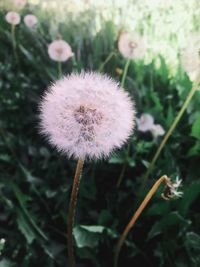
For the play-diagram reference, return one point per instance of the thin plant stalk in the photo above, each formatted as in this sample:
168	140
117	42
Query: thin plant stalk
106	61
170	131
131	223
71	213
59	69
121	176
125	72
14	41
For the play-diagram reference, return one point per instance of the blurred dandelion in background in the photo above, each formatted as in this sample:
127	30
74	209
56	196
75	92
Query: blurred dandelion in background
131	45
30	20
14	19
146	123
19	3
60	51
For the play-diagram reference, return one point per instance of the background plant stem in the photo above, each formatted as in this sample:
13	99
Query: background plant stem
170	131
135	217
59	69
13	41
125	72
106	60
121	176
71	213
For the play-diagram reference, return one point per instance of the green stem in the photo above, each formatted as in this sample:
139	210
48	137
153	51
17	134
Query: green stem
14	41
106	61
125	72
170	131
121	176
59	69
71	213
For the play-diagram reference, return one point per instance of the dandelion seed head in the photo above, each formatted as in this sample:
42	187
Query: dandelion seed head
19	3
13	18
60	50
131	45
30	20
86	115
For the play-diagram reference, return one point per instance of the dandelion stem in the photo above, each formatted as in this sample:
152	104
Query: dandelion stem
170	131
125	72
59	69
106	61
13	40
131	223
71	213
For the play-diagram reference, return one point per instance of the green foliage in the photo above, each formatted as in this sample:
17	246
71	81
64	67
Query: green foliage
35	180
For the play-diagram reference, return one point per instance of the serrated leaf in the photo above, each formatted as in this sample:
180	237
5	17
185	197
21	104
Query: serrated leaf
117	159
5	263
193	240
196	128
87	236
169	220
93	228
194	150
190	194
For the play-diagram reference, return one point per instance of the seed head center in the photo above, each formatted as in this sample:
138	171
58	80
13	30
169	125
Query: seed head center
88	118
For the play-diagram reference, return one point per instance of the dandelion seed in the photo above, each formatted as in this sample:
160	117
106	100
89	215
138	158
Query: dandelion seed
175	188
60	51
30	20
13	18
131	45
172	189
86	115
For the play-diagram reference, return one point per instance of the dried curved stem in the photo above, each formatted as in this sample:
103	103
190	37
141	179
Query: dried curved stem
71	213
129	226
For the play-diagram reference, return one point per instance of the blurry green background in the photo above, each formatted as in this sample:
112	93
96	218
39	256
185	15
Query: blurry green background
35	180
